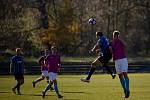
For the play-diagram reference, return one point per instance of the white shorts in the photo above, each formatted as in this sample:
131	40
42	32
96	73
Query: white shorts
52	76
121	65
45	73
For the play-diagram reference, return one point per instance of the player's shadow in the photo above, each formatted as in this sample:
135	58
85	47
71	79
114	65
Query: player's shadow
71	99
71	92
4	92
36	95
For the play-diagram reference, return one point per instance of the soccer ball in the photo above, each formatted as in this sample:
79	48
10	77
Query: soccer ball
92	21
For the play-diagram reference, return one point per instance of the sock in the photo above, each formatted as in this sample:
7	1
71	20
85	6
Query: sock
47	87
17	85
56	89
18	89
122	81
90	73
127	83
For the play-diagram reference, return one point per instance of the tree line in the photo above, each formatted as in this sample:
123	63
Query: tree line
36	24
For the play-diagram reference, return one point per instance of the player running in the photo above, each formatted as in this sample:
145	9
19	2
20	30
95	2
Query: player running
121	63
17	67
102	46
53	64
44	70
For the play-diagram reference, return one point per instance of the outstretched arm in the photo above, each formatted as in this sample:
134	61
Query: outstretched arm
95	48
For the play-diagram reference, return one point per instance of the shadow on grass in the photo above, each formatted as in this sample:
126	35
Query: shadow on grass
35	95
1	92
71	99
72	92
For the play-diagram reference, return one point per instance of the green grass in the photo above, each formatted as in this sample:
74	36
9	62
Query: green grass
101	87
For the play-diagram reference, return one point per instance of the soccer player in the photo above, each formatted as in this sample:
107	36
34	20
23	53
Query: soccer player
121	63
105	56
44	69
53	63
17	67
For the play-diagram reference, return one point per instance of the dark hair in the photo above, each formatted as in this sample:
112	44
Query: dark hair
116	33
99	33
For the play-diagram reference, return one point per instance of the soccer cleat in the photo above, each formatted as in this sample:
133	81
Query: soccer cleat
14	90
113	76
33	83
127	94
85	80
43	94
60	96
19	93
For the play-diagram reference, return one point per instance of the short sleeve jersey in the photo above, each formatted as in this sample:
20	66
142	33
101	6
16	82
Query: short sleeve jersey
118	48
53	63
104	44
42	63
17	65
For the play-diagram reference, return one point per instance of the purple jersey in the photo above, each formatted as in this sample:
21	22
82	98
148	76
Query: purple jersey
118	49
53	62
42	63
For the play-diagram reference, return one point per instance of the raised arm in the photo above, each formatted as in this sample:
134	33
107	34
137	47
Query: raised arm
95	48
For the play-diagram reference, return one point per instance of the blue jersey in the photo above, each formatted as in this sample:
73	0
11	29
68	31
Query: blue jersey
104	45
17	65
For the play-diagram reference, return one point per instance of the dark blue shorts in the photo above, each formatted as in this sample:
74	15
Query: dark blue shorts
19	76
105	58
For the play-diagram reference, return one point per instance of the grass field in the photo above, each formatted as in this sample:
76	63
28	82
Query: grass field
101	87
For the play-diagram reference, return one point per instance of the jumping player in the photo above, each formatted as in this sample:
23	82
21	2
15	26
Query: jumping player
102	46
44	70
53	64
121	63
17	67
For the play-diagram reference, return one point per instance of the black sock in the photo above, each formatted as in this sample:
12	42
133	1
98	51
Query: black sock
18	89
90	73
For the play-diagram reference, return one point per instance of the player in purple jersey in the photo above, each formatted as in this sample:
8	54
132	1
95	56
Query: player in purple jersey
53	64
44	69
121	63
17	67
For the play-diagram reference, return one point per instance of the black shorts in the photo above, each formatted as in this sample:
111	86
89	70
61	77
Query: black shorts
19	76
105	58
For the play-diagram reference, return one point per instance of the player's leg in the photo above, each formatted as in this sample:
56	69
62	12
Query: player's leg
21	82
104	60
124	67
109	70
42	77
46	74
17	84
49	81
122	81
92	70
46	88
56	89
18	87
14	88
53	78
48	85
127	92
119	72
